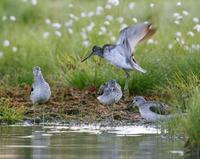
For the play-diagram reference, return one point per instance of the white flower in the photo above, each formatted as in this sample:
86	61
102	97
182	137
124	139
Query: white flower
1	54
45	35
100	33
109	17
177	22
70	31
99	10
176	14
197	27
85	43
90	27
4	18
152	5
84	35
113	2
69	23
178	4
150	41
120	19
123	26
83	14
90	14
190	33
57	33
113	38
131	5
103	29
185	13
195	19
182	41
178	34
12	18
146	22
108	6
56	25
70	5
34	2
6	43
106	22
47	21
170	46
134	20
14	49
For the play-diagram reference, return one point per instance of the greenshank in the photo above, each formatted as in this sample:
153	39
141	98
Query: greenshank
121	54
40	92
151	111
109	94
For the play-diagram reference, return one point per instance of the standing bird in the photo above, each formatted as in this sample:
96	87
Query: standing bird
121	54
152	111
109	93
40	92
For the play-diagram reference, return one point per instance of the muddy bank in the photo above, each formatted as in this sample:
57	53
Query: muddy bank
70	105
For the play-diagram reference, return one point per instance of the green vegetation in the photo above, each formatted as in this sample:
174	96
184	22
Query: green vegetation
59	57
56	35
186	97
9	114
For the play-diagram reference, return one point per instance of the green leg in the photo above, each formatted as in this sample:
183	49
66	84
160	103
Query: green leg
34	105
43	115
126	89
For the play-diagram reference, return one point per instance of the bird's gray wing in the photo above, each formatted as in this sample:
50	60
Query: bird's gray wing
102	88
32	87
159	108
135	34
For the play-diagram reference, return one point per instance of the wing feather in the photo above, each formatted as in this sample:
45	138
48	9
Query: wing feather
135	34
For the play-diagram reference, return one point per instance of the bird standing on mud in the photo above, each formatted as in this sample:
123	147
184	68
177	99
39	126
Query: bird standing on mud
40	92
109	93
152	111
121	54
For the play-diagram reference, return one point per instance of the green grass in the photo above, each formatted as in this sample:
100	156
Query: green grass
185	94
176	70
60	57
9	114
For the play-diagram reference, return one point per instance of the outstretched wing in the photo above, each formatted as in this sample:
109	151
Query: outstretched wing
159	108
135	34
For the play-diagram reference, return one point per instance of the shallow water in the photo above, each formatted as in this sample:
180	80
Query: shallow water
86	142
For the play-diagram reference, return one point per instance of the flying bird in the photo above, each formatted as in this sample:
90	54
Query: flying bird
121	54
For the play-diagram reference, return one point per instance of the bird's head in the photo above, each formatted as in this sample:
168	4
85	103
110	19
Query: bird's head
112	82
96	50
36	71
137	101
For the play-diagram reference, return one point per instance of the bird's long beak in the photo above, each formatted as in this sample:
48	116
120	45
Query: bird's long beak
89	55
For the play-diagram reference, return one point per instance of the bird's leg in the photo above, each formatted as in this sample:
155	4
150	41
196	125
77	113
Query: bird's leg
43	115
34	105
126	89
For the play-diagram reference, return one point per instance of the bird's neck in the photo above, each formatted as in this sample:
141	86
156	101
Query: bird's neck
39	79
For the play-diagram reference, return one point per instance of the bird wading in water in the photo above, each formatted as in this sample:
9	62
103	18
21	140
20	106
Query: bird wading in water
41	91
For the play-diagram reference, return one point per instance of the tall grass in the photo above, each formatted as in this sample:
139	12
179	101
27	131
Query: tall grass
59	57
185	95
8	113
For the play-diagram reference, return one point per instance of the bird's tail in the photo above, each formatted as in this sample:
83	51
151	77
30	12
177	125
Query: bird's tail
138	68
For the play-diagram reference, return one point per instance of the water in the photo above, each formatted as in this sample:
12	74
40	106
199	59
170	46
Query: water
86	142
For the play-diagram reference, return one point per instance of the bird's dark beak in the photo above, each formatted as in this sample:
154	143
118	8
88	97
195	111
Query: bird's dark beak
89	55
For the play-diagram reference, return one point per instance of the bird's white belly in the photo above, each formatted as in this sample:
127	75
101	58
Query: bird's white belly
117	60
40	95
